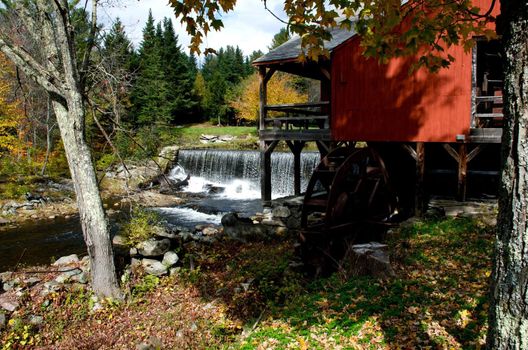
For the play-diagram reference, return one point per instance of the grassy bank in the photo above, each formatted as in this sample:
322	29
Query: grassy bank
188	136
247	296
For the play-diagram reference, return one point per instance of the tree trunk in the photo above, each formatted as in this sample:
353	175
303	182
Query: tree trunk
93	220
508	317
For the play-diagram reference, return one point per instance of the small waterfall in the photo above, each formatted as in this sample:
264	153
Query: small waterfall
237	173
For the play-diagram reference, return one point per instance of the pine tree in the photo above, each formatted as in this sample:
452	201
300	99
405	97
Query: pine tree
151	89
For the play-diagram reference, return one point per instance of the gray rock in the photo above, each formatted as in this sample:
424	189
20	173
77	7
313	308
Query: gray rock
67	275
36	320
243	229
4	221
371	259
170	258
119	240
164	233
153	247
185	235
49	287
3	321
8	303
210	231
66	260
81	278
167	157
135	262
30	282
281	212
11	284
133	252
154	267
293	222
174	271
273	222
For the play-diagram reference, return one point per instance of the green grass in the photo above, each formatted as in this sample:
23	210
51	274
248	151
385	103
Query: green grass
188	136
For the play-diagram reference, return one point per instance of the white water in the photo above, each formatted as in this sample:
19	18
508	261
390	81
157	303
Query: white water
229	181
236	174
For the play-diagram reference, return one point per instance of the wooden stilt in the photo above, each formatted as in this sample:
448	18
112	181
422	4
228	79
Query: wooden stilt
419	205
462	172
419	191
296	148
266	148
462	157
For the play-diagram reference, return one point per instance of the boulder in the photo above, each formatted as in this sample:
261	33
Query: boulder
8	303
49	287
370	259
167	158
119	240
170	258
154	267
210	231
67	275
243	229
281	212
67	260
163	232
153	247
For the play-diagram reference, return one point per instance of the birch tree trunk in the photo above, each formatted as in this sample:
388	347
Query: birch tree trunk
508	318
47	23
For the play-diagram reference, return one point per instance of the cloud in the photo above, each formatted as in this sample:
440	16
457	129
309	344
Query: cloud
249	26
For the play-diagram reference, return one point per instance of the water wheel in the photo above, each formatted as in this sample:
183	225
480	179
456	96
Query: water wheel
348	195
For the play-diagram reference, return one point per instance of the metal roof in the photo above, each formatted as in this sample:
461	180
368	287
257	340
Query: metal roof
292	48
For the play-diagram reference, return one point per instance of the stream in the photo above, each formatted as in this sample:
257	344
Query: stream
220	182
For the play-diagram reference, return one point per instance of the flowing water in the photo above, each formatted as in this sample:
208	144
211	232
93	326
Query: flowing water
220	182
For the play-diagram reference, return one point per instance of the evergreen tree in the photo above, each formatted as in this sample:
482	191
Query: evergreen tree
118	60
280	38
151	89
178	74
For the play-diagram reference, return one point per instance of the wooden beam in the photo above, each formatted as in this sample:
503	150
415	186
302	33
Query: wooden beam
269	74
325	73
266	149
475	152
262	97
451	152
419	205
296	147
411	151
462	172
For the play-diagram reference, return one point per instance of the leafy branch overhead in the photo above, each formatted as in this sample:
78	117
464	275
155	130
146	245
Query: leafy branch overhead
387	28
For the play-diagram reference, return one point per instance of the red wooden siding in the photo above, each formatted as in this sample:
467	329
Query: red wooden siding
375	102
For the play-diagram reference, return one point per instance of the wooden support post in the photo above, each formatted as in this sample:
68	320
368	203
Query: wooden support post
296	148
462	172
266	148
262	97
419	204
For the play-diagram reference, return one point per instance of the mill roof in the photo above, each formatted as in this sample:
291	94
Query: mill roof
291	49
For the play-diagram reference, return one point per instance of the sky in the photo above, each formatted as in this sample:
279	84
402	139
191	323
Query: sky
249	26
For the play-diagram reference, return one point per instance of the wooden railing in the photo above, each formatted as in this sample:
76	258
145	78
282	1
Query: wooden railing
296	121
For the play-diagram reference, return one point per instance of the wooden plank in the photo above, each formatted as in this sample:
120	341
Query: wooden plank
495	99
302	135
485	135
298	105
285	119
296	111
489	115
269	74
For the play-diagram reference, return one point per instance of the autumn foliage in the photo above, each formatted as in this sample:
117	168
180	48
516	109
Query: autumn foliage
280	90
10	111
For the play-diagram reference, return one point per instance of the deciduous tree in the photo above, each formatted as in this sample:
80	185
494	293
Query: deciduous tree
58	70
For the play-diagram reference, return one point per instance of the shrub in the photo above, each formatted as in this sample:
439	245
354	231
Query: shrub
142	226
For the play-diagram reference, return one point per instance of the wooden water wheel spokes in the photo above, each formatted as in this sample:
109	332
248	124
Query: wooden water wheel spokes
358	191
